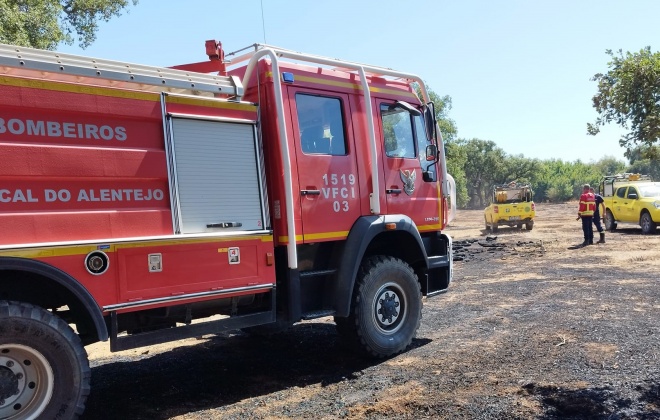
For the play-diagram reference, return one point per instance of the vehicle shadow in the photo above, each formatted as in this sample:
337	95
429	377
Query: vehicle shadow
632	231
221	371
504	231
595	403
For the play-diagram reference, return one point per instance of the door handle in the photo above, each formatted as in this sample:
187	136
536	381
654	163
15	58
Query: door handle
224	225
310	192
393	191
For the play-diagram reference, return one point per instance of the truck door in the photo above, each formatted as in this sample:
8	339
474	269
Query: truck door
619	203
327	171
632	213
403	161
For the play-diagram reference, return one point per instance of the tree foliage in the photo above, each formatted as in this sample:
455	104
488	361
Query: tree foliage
456	159
448	130
629	95
442	107
646	166
484	164
46	23
478	165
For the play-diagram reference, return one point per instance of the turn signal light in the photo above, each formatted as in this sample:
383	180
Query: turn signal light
390	226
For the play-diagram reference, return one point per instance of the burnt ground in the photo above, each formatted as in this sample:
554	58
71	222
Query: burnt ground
530	329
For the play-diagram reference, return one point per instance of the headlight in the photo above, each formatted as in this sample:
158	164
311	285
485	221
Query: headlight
656	204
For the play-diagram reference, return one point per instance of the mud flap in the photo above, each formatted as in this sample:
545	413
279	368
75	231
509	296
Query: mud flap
441	269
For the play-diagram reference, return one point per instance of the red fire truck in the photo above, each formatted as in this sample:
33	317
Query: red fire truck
252	190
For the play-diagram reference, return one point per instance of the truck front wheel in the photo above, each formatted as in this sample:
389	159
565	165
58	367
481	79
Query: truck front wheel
387	307
647	224
44	372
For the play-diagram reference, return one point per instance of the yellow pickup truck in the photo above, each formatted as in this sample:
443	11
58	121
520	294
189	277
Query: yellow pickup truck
631	198
510	205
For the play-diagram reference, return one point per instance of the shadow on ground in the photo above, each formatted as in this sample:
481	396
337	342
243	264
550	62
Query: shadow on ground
221	371
596	403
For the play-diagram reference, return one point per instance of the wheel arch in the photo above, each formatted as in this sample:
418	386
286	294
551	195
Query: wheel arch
367	237
645	211
41	284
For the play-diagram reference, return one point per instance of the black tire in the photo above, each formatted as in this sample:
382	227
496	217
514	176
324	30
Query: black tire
647	224
529	225
495	228
386	309
44	370
519	226
610	224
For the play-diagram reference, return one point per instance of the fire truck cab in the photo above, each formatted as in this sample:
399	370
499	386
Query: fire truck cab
266	186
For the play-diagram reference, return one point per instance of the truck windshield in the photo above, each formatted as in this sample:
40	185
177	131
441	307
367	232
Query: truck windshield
650	190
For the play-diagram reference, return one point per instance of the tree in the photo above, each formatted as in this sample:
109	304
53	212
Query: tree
483	168
647	167
518	168
455	156
629	95
609	166
442	107
456	159
46	23
643	152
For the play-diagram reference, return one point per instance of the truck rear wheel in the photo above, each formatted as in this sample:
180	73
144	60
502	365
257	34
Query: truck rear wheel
610	224
44	372
529	225
387	307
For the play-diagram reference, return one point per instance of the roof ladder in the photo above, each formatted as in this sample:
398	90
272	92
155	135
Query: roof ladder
51	65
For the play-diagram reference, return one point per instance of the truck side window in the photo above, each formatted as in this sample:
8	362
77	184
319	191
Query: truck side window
632	190
621	192
321	125
397	132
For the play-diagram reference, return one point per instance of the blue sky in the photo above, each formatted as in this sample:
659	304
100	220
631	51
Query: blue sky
518	72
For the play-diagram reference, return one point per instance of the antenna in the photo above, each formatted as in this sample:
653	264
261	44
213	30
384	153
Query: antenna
263	22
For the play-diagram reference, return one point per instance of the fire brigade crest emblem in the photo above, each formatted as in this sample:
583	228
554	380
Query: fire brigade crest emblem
408	177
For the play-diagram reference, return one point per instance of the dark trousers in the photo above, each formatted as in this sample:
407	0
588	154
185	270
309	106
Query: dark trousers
588	229
599	227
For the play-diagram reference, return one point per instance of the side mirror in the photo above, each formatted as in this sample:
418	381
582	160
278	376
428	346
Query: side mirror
431	152
405	105
429	176
632	196
429	120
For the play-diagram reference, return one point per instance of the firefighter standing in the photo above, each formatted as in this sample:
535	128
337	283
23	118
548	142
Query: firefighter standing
586	213
599	201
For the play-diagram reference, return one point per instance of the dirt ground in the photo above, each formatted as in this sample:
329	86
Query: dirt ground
530	329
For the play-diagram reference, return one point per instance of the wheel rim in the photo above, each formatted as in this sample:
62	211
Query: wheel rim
390	308
646	225
26	382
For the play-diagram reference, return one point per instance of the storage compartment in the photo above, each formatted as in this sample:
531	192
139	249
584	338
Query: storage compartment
214	176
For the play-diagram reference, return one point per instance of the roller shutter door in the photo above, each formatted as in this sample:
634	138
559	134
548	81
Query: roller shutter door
217	175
